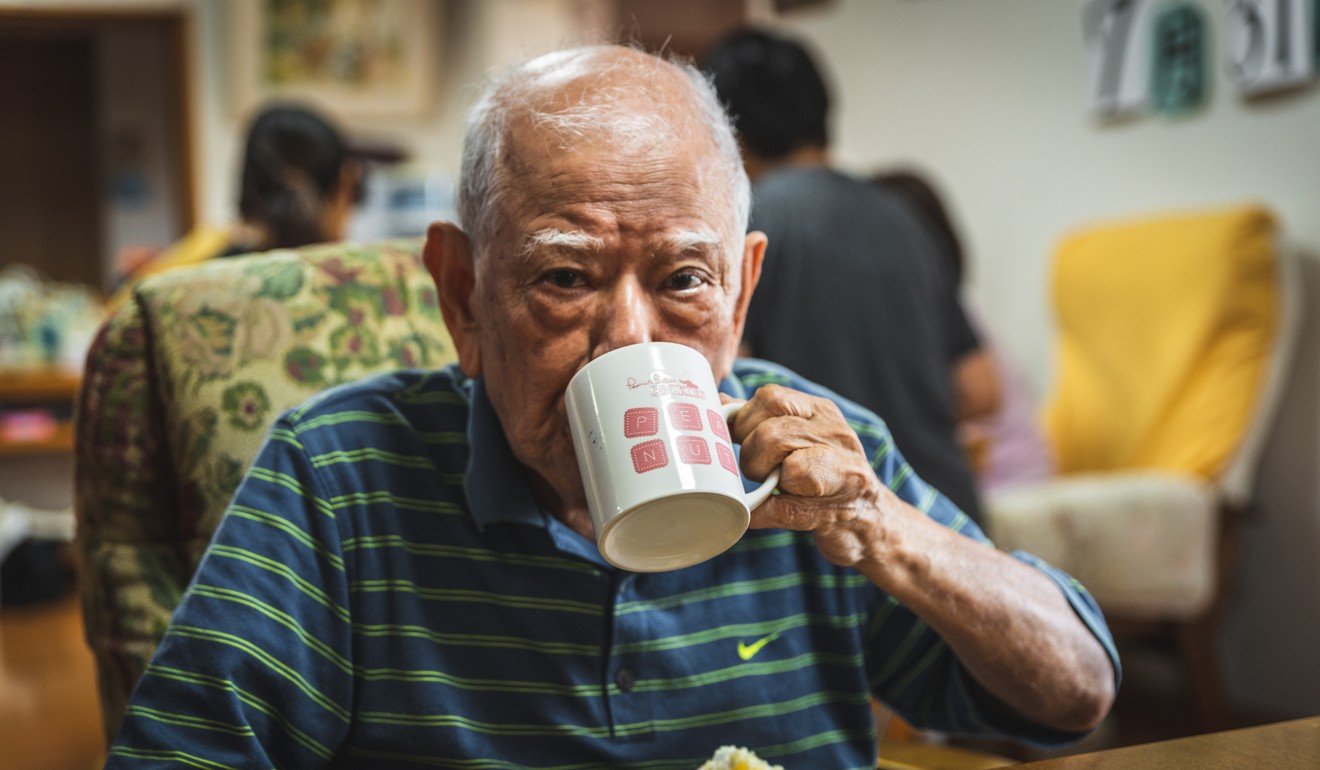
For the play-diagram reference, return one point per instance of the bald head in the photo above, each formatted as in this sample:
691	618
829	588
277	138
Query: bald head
636	106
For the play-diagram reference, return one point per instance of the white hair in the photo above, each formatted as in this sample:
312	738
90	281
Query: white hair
602	109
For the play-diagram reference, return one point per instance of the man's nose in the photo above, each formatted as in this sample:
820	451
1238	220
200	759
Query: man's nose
625	319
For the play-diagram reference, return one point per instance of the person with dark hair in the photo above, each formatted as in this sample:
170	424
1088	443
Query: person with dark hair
777	97
299	183
975	383
852	290
995	409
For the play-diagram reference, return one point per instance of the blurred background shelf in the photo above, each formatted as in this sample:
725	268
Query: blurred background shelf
51	388
60	441
38	385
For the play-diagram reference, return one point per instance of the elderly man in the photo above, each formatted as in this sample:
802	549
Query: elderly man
407	576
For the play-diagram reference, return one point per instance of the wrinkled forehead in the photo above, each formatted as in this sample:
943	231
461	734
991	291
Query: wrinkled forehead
614	130
633	186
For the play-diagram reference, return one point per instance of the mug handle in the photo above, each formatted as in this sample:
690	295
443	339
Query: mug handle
758	495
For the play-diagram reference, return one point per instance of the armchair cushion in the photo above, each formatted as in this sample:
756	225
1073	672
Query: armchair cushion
181	385
1142	543
1166	332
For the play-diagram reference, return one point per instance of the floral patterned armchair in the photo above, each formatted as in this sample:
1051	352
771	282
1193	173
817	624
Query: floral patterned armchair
181	385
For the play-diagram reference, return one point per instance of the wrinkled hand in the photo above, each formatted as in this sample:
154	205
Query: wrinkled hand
826	483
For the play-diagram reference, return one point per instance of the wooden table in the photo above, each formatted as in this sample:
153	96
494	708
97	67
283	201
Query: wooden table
1281	746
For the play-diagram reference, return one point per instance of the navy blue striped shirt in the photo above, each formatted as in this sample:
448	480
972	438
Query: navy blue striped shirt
384	590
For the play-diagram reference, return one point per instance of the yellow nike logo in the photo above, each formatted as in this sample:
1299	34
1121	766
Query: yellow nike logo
748	651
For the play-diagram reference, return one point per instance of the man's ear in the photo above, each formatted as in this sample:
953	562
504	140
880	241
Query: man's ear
448	257
753	255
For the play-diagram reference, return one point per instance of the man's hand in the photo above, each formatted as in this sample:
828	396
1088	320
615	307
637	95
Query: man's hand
826	483
1041	661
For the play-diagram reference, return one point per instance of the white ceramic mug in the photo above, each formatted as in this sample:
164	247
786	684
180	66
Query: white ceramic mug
652	441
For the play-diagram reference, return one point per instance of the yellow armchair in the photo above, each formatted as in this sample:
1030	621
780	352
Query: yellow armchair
1174	335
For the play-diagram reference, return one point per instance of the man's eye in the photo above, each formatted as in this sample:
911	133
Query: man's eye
565	279
684	281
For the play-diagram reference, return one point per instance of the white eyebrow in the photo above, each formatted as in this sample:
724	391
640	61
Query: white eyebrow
571	240
683	241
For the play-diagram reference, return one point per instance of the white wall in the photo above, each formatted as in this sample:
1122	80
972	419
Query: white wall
473	37
990	97
135	102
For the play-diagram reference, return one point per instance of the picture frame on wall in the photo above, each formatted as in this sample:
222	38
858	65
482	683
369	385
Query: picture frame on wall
356	58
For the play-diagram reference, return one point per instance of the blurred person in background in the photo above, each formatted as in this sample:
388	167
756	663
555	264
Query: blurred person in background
996	408
852	290
300	183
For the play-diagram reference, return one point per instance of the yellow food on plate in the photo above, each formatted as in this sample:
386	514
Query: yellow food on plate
737	758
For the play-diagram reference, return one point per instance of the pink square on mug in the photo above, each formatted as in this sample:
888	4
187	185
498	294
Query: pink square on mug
726	458
641	421
649	456
693	450
685	416
718	425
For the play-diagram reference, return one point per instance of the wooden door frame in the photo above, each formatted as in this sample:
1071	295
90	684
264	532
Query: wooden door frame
178	23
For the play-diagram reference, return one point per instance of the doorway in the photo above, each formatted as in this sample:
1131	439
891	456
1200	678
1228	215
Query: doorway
94	139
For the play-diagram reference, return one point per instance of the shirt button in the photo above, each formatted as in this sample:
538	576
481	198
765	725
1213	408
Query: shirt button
626	679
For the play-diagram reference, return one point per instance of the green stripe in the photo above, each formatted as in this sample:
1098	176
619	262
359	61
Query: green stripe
927	500
181	757
454	479
741	588
352	456
900	477
292	484
780	709
270	565
483	597
187	720
741	631
900	654
247	698
369	542
475	640
765	542
381	418
283	618
923	664
407	503
286	671
482	685
881	452
959	522
289	528
355	415
431	397
287	436
764	378
744	670
881	617
868	430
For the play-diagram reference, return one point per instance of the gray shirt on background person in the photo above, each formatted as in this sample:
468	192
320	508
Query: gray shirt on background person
853	295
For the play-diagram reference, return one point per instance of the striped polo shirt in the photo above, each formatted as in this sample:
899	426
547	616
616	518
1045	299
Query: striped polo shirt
385	591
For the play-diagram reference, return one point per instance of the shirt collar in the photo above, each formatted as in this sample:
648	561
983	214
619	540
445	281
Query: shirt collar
495	486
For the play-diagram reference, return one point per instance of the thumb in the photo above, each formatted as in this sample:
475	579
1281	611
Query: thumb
782	511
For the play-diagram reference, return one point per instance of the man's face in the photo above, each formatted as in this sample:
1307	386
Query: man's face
596	249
